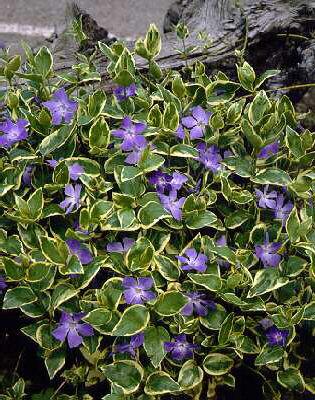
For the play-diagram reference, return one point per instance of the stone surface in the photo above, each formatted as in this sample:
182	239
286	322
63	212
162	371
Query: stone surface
37	18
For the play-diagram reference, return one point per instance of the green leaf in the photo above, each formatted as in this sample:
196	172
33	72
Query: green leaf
154	338
151	214
153	41
170	303
167	268
246	76
155	116
55	361
139	257
291	379
266	75
61	293
293	226
259	107
226	330
18	296
201	219
251	135
236	219
55	140
13	270
184	150
151	162
36	203
124	78
129	173
265	281
294	142
272	176
160	383
126	374
170	117
133	320
99	135
190	375
269	355
43	61
217	364
209	281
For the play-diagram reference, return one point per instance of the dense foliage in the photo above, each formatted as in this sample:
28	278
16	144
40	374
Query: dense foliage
160	237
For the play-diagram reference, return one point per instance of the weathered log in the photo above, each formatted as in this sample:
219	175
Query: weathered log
279	34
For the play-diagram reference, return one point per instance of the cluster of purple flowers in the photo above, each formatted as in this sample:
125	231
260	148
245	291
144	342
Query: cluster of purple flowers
137	290
195	123
267	252
193	260
3	284
274	201
13	132
274	335
75	170
72	199
61	108
123	92
167	187
70	328
198	304
77	249
120	247
210	157
269	150
135	342
180	348
132	139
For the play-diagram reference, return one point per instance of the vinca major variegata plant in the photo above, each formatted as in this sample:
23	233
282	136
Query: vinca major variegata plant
157	237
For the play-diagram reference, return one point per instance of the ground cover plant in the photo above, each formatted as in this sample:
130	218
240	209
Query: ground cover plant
158	239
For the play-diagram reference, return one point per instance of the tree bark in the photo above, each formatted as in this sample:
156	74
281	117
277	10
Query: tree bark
279	34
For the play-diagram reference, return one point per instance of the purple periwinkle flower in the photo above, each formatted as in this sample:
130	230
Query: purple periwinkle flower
180	132
221	241
267	252
137	291
123	92
266	323
27	175
210	157
13	132
133	141
172	204
72	199
269	150
169	182
61	108
75	171
193	260
198	304
265	199
70	327
281	209
53	163
180	348
277	337
83	253
136	341
120	247
197	122
131	134
3	284
161	181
